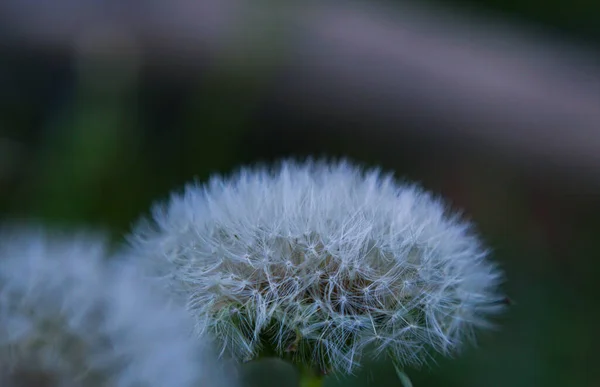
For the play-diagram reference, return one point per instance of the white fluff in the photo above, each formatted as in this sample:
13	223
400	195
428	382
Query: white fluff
320	262
67	318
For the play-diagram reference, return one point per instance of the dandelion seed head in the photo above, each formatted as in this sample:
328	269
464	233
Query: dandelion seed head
69	318
322	263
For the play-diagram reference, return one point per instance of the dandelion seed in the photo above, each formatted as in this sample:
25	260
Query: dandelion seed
328	263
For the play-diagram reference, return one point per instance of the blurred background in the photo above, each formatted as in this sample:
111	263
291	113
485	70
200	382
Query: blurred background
107	106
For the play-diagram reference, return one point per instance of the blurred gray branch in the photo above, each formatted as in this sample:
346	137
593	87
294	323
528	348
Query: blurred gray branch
475	79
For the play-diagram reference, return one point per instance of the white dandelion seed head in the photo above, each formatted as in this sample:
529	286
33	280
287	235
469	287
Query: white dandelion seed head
322	262
68	318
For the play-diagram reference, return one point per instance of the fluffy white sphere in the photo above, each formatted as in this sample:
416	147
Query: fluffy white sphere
320	263
68	318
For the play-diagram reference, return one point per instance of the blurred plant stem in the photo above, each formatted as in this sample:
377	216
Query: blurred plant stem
309	378
403	377
92	138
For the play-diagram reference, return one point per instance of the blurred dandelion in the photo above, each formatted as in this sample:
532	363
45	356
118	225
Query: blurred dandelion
68	318
321	264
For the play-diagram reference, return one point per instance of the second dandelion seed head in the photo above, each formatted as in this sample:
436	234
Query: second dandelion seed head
69	318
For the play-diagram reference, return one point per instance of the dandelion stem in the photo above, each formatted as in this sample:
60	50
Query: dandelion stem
404	379
308	378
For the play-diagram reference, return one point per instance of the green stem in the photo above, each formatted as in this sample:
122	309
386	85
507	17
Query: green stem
403	377
309	378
